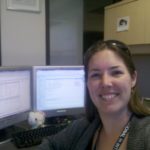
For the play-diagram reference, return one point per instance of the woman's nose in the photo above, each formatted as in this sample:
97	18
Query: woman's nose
106	80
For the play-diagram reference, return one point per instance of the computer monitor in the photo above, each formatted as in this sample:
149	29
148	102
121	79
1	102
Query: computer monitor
59	90
15	95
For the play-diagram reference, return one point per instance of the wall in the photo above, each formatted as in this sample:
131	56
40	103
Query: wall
142	63
66	32
141	58
94	22
22	36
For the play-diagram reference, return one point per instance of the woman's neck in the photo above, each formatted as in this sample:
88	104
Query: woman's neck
114	124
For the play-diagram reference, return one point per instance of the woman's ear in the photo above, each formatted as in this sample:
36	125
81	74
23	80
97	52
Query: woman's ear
134	79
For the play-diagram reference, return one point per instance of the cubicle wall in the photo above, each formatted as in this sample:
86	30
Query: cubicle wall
66	32
142	62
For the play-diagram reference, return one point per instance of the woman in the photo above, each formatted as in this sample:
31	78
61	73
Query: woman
116	118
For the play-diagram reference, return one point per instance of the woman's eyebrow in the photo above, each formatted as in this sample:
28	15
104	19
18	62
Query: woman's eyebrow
114	67
94	70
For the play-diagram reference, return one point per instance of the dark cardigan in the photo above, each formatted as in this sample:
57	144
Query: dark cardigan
79	134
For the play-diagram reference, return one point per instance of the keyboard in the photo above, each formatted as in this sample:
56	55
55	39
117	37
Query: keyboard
34	137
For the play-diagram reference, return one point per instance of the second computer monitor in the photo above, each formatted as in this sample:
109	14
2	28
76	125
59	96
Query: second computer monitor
59	90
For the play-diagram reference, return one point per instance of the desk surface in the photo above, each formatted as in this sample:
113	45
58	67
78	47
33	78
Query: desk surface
10	146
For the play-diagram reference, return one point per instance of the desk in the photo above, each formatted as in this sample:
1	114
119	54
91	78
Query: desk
10	146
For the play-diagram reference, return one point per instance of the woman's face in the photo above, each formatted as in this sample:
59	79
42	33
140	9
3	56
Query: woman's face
109	82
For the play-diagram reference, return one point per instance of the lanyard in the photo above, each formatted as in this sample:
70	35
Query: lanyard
121	137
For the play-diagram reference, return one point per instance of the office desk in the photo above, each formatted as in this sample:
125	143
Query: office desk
10	146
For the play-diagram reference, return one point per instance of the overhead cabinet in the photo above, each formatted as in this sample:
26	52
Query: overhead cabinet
128	21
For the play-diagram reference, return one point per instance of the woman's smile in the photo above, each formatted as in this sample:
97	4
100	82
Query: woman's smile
108	97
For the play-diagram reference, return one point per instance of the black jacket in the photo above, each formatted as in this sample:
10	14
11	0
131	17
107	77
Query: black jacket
79	135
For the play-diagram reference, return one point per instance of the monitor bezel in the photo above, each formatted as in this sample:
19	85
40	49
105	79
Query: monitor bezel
56	112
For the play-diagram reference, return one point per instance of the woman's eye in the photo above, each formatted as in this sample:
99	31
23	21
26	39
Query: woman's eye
117	73
95	75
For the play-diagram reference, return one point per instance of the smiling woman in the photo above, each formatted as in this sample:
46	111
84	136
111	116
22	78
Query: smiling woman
111	81
113	106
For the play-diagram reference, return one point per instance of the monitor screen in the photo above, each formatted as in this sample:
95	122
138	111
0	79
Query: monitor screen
59	90
15	95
